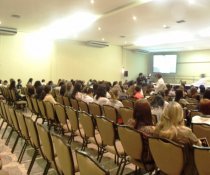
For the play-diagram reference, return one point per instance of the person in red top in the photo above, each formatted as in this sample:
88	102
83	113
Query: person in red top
137	93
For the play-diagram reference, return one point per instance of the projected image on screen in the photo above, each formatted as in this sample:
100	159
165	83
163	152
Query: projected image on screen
164	63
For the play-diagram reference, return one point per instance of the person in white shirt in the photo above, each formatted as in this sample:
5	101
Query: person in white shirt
160	84
114	99
100	97
88	95
201	81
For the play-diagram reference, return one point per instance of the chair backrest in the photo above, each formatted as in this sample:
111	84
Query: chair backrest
4	115
42	108
83	106
110	112
45	142
168	156
66	101
50	112
60	99
14	118
64	155
32	132
201	130
89	166
6	106
12	94
61	113
128	103
87	123
202	159
22	124
107	130
35	105
29	103
126	114
74	104
95	109
73	118
131	141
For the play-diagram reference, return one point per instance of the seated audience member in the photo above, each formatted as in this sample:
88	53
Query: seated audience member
137	93
12	86
43	82
29	83
30	91
88	95
19	84
142	117
77	92
62	89
39	93
193	93
69	89
131	88
100	97
172	126
202	90
143	122
114	99
157	106
48	95
180	98
5	83
207	94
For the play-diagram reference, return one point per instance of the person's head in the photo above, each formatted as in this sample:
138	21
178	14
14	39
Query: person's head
204	106
30	80
157	101
207	93
114	94
158	75
193	90
31	90
202	89
37	84
101	92
12	84
68	86
179	95
172	115
137	89
77	88
88	90
47	89
19	81
43	80
142	113
5	82
203	75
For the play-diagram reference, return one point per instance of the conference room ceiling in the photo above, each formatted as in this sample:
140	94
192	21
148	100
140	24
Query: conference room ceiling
149	25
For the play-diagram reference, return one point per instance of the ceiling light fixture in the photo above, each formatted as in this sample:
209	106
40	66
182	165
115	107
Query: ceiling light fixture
99	28
191	1
92	1
102	39
134	18
70	26
0	22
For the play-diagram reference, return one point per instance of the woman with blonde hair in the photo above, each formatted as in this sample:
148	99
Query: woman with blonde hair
172	126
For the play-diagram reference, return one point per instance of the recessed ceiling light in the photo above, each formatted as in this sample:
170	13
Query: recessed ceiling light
99	28
134	18
92	1
191	1
0	22
165	26
125	42
102	39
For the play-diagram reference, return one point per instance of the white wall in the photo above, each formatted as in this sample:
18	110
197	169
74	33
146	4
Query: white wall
79	61
22	58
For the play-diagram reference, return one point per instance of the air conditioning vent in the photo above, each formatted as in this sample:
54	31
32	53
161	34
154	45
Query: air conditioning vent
97	44
140	51
8	31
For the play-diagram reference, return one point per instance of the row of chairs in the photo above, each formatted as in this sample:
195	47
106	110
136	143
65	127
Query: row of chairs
53	148
37	107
